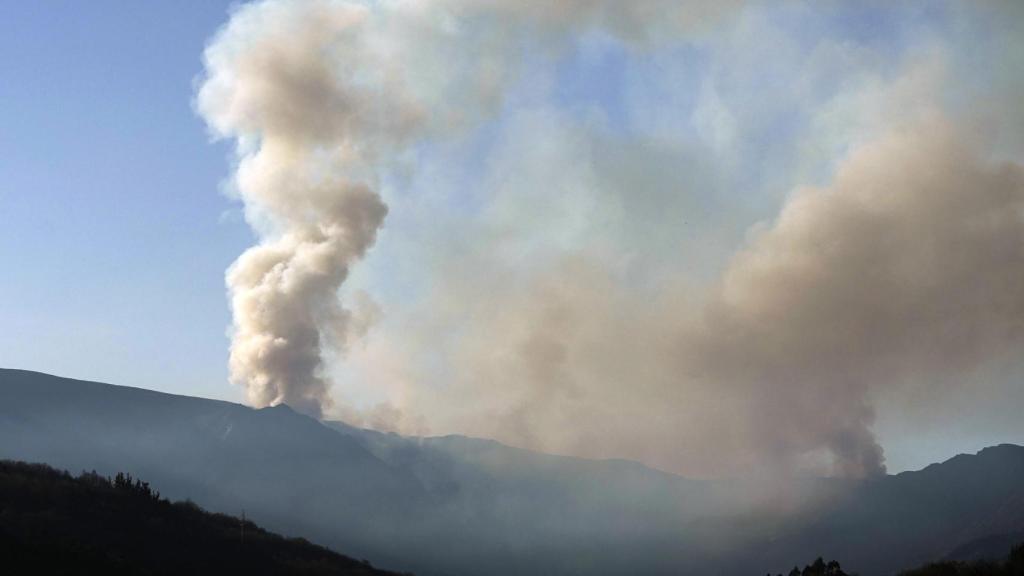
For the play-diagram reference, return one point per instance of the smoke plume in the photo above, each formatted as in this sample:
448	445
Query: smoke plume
305	173
904	271
320	96
564	314
907	267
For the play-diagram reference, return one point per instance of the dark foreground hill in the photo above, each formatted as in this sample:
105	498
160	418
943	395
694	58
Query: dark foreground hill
54	523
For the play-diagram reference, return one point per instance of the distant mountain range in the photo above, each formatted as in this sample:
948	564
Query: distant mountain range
456	505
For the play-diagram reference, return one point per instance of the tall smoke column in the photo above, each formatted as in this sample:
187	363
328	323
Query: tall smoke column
320	95
305	175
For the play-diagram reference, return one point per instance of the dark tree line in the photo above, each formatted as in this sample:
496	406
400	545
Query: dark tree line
1013	565
818	568
124	482
54	523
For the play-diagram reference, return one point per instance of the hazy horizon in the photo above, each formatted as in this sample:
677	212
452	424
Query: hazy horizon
941	452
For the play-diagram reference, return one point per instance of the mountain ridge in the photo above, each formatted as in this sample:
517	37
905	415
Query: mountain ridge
458	505
339	425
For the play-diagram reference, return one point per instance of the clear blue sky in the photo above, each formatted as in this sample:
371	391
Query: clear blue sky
114	236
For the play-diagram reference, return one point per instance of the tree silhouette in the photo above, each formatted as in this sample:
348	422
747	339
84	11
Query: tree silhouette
54	523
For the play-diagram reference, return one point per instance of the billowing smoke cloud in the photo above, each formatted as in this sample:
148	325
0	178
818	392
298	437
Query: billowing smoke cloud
908	266
304	174
565	316
905	270
320	95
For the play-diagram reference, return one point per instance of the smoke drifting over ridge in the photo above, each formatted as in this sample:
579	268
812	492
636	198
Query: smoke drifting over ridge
906	268
320	95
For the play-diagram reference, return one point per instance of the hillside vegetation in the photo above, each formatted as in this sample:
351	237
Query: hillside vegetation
1012	565
54	523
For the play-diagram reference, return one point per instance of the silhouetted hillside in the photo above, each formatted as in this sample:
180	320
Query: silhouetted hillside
1005	565
54	523
991	547
1012	565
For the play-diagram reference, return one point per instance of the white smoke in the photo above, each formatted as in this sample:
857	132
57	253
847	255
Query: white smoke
307	178
320	96
904	268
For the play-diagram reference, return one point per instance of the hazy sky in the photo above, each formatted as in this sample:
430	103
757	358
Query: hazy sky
601	234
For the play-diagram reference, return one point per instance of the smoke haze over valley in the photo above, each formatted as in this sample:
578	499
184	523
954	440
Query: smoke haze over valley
454	505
